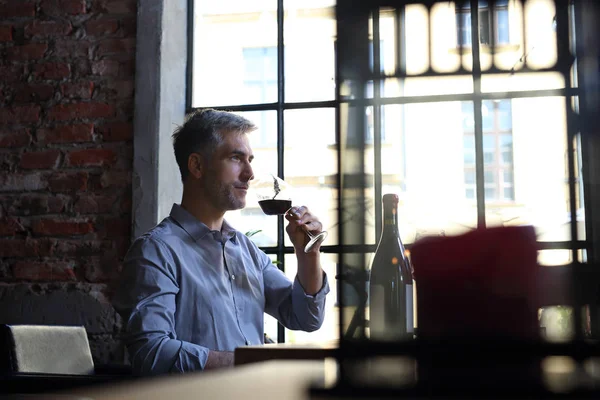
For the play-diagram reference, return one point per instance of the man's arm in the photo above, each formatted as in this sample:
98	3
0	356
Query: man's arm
299	305
310	273
146	301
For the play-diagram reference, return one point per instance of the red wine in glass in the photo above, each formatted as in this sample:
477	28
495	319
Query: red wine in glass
275	207
267	189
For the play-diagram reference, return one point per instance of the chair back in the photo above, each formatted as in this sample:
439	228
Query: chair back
47	349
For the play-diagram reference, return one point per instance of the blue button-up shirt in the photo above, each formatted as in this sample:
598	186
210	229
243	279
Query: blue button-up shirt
186	290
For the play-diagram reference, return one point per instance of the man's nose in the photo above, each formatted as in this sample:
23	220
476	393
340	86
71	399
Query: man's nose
248	172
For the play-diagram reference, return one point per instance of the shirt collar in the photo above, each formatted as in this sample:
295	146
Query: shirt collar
196	229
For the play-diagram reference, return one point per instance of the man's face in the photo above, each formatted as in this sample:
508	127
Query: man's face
228	173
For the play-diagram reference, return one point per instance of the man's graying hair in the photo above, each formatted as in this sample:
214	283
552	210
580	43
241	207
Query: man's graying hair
202	132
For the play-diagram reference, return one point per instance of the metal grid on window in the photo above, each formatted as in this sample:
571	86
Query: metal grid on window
353	38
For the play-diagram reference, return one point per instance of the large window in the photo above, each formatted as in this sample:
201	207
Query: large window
497	150
458	141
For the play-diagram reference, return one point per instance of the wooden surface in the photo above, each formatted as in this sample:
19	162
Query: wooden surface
272	380
285	351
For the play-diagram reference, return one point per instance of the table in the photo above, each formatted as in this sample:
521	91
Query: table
271	380
285	351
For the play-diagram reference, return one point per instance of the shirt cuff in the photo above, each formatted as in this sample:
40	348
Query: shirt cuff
317	296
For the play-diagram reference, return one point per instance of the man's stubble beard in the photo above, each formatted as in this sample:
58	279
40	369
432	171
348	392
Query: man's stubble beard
222	196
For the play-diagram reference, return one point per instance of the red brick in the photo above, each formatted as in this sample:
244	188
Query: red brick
101	27
117	179
11	73
122	89
16	138
101	269
94	204
17	8
52	70
47	28
68	182
40	159
64	112
105	68
60	227
18	114
13	248
129	26
116	46
79	90
6	33
69	49
127	69
117	131
80	248
62	7
91	157
10	226
37	204
27	52
17	182
26	248
44	271
118	6
115	227
79	133
32	92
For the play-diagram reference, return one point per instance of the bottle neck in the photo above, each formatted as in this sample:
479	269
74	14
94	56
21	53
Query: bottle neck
390	219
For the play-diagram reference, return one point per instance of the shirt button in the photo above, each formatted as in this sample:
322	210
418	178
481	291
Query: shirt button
233	277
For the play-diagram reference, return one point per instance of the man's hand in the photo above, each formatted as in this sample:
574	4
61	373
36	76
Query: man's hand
219	359
301	220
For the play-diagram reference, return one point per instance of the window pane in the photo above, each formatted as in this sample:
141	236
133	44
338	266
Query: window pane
487	115
509	193
429	179
310	164
540	195
504	115
490	194
330	328
484	26
235	58
469	177
470	193
489	177
309	30
468	120
502	34
508	176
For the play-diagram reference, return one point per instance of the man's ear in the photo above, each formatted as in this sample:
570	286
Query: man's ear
195	165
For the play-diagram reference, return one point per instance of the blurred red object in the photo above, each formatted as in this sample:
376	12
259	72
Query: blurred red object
482	284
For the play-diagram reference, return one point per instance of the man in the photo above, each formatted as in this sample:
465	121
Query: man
193	288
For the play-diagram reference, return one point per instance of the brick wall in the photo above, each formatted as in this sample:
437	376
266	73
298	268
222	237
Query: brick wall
66	112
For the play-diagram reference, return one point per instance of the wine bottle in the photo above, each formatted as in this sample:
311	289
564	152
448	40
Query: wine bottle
391	282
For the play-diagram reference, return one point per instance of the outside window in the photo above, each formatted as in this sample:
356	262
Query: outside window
498	19
497	150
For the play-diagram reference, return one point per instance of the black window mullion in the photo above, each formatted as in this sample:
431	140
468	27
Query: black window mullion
189	84
377	82
477	100
280	146
565	62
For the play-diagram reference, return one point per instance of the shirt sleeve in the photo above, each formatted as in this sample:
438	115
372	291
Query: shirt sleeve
289	304
146	301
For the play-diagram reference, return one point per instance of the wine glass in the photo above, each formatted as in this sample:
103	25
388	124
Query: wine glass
274	198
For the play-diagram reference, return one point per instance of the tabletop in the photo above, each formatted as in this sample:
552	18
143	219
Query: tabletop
271	380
